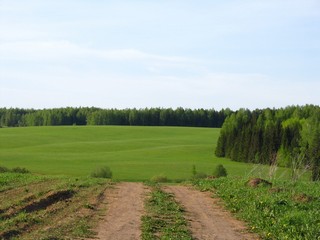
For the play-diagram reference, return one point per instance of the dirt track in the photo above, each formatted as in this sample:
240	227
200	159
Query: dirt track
207	219
125	206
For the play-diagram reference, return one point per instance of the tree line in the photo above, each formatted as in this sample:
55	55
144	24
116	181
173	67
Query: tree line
15	117
287	137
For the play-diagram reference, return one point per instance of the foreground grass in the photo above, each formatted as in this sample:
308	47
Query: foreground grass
285	211
42	207
164	219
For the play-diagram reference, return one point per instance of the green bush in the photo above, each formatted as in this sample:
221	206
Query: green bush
4	169
20	170
220	171
102	172
159	179
14	170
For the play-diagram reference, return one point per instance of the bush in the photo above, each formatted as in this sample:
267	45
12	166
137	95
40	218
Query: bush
14	170
20	170
102	172
220	171
159	179
4	169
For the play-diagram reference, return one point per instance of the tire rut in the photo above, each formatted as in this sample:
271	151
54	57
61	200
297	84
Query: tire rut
206	218
125	207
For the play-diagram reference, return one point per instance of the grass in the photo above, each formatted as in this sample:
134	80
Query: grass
132	153
164	218
285	211
44	207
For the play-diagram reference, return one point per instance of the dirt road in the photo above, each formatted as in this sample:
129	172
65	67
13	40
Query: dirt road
207	219
125	206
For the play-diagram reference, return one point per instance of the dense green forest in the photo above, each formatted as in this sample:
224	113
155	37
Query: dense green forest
14	117
287	137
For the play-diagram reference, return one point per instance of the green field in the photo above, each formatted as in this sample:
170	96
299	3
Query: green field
132	153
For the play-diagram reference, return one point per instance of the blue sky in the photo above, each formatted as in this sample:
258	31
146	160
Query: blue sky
170	53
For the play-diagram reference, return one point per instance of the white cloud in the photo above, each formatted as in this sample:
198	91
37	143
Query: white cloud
59	50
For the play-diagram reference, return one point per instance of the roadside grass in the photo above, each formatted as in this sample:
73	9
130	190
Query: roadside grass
283	211
132	153
44	207
164	218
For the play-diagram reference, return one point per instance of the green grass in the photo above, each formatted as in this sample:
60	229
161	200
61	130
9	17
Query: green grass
132	153
285	211
164	218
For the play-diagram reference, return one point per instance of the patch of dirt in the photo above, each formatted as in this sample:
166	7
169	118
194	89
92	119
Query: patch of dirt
255	182
302	198
207	219
125	207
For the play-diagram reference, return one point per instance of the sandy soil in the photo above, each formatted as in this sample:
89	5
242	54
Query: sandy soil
207	219
125	206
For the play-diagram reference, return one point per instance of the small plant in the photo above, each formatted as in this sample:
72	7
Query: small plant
194	171
159	179
89	206
220	171
102	172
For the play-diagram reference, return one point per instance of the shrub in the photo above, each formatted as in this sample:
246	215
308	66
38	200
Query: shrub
14	170
4	169
20	170
159	179
220	171
102	172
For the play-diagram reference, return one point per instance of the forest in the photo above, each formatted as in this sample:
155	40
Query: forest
287	137
15	117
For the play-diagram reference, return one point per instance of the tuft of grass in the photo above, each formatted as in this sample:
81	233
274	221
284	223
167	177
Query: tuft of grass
159	179
285	211
164	218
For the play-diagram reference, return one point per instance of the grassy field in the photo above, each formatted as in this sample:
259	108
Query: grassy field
132	153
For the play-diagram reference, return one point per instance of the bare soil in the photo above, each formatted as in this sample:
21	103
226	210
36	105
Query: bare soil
125	207
207	219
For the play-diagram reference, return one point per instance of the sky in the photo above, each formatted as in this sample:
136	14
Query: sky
169	53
